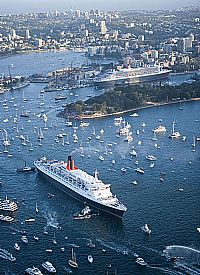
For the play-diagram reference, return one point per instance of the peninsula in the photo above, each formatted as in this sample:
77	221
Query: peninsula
122	99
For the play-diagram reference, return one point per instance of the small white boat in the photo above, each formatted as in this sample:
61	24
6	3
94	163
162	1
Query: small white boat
101	158
36	208
30	220
140	170
49	267
90	259
174	134
146	229
198	229
141	261
133	153
134	115
72	262
16	247
159	129
35	238
33	271
151	157
24	239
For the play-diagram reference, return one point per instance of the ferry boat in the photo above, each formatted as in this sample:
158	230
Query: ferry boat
132	76
80	185
8	205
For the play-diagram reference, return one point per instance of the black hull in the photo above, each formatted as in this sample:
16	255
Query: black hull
105	209
134	80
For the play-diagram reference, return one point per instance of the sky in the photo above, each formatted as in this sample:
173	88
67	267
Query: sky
22	6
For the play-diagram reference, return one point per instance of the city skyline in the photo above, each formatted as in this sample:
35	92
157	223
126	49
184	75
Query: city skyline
21	6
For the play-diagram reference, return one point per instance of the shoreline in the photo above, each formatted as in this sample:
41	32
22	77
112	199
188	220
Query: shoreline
153	105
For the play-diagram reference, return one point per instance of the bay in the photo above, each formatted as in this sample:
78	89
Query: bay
173	215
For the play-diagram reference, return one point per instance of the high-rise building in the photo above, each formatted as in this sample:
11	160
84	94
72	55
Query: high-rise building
77	13
13	34
27	35
103	28
140	39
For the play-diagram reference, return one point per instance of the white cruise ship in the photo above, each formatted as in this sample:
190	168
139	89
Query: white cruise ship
80	185
132	76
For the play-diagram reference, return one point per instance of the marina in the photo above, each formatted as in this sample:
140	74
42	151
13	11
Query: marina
148	199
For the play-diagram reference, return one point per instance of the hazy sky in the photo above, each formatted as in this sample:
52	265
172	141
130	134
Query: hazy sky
19	6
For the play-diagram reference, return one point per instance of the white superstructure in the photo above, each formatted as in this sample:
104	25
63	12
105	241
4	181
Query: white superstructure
77	182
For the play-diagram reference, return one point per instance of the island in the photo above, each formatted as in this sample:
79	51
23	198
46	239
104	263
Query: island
131	97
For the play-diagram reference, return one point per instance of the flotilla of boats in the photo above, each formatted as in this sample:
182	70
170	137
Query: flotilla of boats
66	173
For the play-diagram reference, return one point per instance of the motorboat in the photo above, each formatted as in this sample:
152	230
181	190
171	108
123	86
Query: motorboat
33	271
146	229
30	220
6	255
84	124
84	214
151	157
141	261
159	129
24	239
6	218
26	168
16	247
49	267
90	259
134	115
140	170
72	262
133	153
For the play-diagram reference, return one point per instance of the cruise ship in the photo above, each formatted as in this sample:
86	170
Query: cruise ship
132	76
80	185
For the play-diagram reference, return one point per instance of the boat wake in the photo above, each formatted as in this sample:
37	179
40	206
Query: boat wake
185	258
68	270
6	255
51	219
118	248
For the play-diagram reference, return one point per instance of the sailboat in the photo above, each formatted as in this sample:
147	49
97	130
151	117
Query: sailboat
146	229
72	262
174	133
54	239
194	144
6	141
36	208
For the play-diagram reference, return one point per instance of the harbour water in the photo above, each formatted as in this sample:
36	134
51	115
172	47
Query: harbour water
169	207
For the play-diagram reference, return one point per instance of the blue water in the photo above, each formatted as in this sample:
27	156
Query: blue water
172	215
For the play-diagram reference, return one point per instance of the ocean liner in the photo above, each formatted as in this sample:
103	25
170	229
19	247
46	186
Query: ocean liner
132	76
80	185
